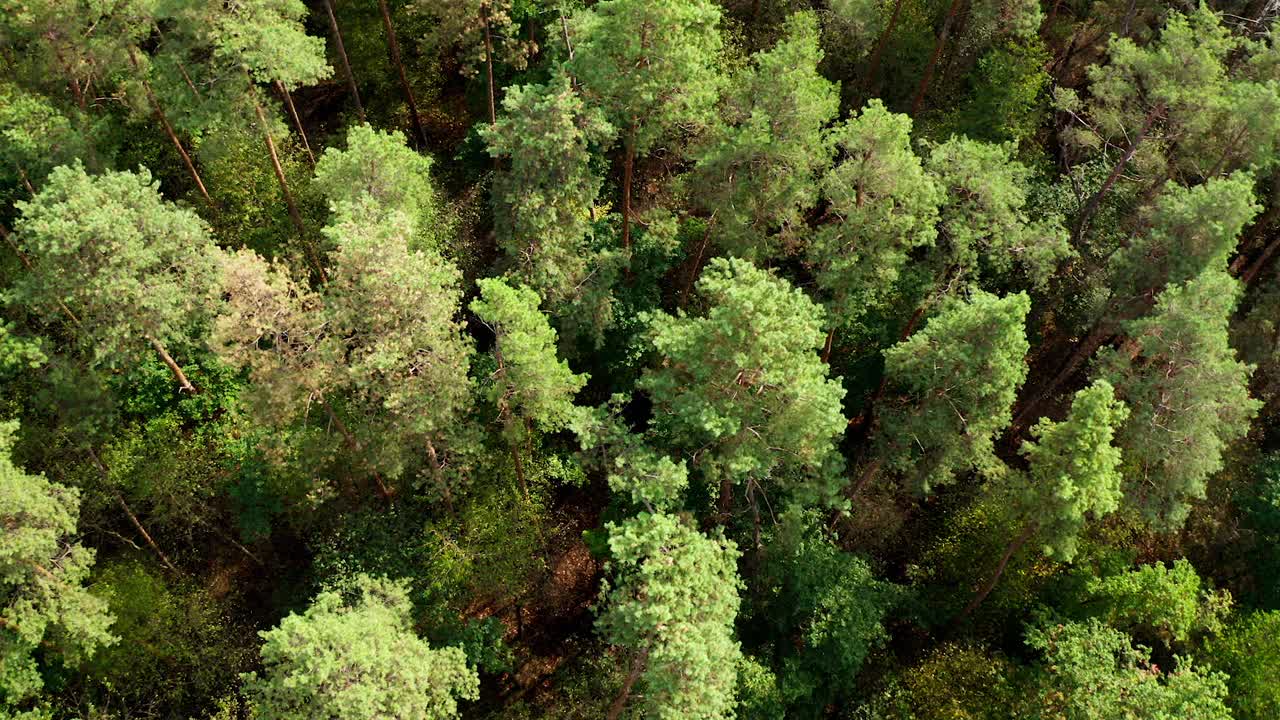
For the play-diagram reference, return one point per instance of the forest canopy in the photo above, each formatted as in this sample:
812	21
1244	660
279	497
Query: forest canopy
639	359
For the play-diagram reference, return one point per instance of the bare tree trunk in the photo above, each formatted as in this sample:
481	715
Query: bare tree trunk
1258	264
178	375
725	503
168	128
933	59
697	261
342	54
868	474
488	69
297	121
1012	548
826	348
72	81
873	66
628	165
1094	340
394	47
438	473
637	667
1095	200
146	536
294	215
1053	15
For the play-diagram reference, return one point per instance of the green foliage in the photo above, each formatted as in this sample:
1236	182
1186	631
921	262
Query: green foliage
825	614
43	603
266	38
1092	672
531	382
756	174
1008	101
109	250
671	600
1188	394
378	169
743	382
954	682
178	648
1249	652
358	659
652	65
885	206
983	218
1167	603
1074	470
956	380
544	200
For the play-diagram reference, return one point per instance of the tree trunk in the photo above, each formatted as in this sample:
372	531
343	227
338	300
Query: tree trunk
168	129
1013	547
488	70
342	55
637	667
628	165
697	261
1094	340
394	47
868	474
1257	265
1053	15
146	536
1095	200
178	375
72	82
873	66
933	59
826	348
294	215
297	121
725	502
438	473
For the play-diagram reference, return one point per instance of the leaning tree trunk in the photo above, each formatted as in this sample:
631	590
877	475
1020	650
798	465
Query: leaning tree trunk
1094	340
173	366
1090	207
394	48
342	55
297	121
488	69
168	128
628	167
620	702
990	585
933	59
294	215
873	66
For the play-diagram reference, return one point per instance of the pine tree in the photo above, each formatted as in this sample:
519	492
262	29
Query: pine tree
884	205
652	66
1188	393
756	175
743	389
956	381
531	387
127	269
358	659
671	600
544	199
44	607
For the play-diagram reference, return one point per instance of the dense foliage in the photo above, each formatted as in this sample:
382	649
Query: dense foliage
672	359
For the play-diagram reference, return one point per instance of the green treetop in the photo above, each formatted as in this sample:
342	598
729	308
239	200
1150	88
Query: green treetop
1188	393
1166	603
652	65
743	389
1191	230
983	220
267	39
531	386
1074	470
884	205
406	357
43	605
126	268
544	195
958	378
358	659
756	174
671	598
378	170
1092	672
1249	652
